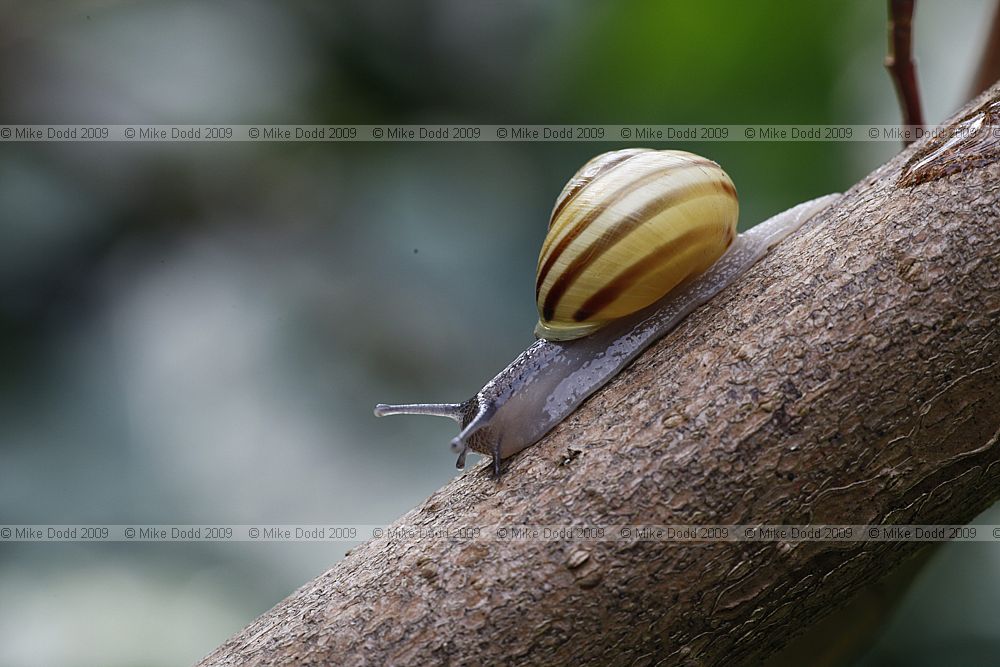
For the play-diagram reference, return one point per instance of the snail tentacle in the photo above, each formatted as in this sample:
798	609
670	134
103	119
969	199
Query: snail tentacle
460	444
452	411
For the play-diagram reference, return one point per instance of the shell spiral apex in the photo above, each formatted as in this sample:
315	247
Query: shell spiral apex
628	227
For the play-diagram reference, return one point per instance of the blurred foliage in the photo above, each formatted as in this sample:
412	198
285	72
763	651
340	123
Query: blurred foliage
196	333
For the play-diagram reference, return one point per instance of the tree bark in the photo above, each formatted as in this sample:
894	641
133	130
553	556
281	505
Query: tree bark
851	377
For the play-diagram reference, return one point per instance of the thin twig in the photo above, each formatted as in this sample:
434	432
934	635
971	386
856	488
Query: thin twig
901	66
989	63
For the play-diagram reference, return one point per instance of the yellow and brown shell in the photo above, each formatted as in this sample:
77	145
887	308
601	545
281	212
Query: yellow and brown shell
627	228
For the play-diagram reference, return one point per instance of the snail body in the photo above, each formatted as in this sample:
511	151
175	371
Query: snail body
686	257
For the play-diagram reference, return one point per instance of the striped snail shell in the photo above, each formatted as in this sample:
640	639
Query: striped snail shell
638	240
629	227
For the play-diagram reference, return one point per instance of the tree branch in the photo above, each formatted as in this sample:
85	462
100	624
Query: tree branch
851	377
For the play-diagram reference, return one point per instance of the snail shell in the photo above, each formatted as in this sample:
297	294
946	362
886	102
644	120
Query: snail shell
629	227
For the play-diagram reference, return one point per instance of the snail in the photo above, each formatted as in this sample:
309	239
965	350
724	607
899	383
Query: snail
637	240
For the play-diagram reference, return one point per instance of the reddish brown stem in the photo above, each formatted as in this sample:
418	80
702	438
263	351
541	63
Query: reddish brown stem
989	64
901	66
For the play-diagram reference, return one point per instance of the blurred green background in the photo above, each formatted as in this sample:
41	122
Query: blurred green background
198	333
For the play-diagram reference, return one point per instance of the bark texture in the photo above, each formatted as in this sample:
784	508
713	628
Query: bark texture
853	376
